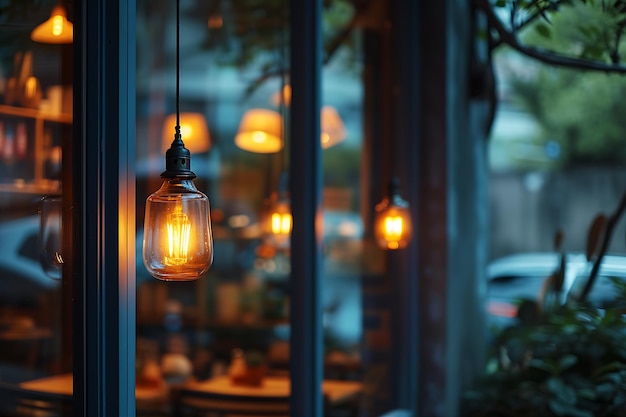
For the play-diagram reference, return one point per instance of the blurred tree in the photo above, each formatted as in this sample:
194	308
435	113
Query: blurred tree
582	112
575	89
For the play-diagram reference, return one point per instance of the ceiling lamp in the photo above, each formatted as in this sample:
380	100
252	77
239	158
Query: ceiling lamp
392	224
333	130
177	241
193	128
260	131
57	29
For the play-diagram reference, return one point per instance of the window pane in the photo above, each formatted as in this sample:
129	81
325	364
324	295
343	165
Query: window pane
556	162
233	68
235	78
35	127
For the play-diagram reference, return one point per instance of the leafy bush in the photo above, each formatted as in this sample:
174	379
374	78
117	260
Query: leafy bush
571	362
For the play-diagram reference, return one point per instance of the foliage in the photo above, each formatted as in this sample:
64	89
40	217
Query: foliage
582	112
583	34
255	33
569	363
561	358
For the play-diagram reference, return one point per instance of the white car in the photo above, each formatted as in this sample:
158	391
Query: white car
521	276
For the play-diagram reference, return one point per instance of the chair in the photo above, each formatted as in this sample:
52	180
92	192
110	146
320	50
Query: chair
191	403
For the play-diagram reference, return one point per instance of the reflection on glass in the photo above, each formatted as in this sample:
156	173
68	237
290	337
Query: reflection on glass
50	238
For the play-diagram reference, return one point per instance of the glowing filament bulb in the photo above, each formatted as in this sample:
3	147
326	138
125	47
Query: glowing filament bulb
281	223
392	223
178	232
393	228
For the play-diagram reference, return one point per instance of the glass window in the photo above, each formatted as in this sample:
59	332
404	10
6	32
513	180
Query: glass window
235	79
556	163
36	86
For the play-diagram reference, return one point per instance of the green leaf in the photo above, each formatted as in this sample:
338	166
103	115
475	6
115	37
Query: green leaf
543	30
567	362
587	393
541	365
561	409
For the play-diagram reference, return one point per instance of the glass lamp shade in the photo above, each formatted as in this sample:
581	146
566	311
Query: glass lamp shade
177	242
260	131
50	236
193	130
333	129
277	221
392	224
57	29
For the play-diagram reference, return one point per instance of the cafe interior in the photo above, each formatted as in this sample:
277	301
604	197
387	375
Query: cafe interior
238	207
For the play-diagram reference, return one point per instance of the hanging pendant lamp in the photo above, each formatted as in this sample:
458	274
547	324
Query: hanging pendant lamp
392	224
260	131
277	220
57	29
177	242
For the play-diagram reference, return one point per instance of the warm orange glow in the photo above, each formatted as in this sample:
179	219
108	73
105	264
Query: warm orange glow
281	223
57	29
333	130
193	130
178	242
215	21
57	25
277	221
392	225
393	228
260	131
178	232
31	87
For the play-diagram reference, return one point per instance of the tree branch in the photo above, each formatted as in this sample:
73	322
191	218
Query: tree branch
610	227
545	56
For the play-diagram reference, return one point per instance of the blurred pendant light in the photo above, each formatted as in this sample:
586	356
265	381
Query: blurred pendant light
333	131
193	128
177	242
260	131
57	29
277	221
392	224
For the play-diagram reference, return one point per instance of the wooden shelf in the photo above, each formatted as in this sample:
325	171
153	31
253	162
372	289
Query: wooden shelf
35	114
31	188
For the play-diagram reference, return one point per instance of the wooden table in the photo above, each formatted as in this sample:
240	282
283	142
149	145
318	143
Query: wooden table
63	384
335	391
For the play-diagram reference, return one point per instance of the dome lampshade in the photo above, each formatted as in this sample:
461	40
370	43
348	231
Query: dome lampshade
193	130
57	29
333	129
260	131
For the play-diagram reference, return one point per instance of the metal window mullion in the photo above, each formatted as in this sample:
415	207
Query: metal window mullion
104	275
305	190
